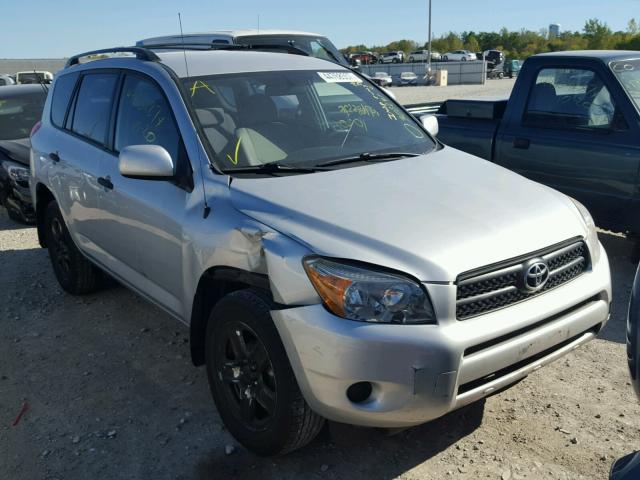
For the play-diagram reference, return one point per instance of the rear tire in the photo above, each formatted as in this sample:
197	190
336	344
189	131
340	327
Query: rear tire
75	274
251	380
445	58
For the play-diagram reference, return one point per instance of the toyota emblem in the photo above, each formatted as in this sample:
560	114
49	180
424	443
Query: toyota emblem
536	274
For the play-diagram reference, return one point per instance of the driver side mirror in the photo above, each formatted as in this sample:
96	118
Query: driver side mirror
147	162
430	124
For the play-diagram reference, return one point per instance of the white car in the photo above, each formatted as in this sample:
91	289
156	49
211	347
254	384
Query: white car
459	56
382	78
423	56
34	76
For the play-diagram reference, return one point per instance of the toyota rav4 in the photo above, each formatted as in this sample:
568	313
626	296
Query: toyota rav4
330	257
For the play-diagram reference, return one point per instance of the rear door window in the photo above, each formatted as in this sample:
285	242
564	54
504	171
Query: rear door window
62	92
93	106
145	117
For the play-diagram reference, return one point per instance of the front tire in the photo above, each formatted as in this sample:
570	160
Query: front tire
445	58
251	380
75	274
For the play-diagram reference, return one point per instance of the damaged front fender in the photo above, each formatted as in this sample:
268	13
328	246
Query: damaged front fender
287	278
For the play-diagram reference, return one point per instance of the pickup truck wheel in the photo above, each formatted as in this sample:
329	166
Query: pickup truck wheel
251	380
75	274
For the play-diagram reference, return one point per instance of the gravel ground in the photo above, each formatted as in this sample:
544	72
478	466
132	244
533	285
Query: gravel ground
411	95
111	394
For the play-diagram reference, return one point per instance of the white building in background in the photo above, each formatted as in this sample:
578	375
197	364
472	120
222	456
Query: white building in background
554	30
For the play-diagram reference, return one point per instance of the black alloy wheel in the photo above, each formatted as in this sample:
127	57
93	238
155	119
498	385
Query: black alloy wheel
247	375
59	249
251	379
75	274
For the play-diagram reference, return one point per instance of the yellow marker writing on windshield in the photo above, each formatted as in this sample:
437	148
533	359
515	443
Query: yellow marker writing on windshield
200	84
234	160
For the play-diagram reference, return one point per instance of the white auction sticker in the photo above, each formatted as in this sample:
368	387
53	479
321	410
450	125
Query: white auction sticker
339	77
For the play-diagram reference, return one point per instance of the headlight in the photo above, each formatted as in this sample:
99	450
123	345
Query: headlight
367	295
18	174
592	234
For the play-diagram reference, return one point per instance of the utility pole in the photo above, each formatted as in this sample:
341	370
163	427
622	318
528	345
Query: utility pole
429	40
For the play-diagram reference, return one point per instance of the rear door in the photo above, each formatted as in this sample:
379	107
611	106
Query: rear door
142	224
77	150
576	135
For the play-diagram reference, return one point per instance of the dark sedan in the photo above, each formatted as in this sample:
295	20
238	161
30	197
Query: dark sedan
20	109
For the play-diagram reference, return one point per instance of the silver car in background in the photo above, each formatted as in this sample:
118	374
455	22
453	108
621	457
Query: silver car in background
331	259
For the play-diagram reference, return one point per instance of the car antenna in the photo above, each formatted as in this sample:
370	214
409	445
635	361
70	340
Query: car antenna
207	208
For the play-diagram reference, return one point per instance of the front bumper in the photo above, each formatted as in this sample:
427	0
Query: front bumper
16	196
421	372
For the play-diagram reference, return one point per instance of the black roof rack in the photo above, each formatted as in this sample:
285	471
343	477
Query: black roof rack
140	53
226	46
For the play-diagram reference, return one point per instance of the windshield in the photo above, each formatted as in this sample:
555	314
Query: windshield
628	72
315	46
18	114
300	118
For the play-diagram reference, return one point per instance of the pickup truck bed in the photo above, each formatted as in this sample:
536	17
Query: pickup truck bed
471	124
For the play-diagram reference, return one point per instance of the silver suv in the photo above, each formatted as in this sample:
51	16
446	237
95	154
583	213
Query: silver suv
330	257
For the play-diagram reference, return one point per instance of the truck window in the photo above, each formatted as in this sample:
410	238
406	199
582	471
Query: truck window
571	98
628	72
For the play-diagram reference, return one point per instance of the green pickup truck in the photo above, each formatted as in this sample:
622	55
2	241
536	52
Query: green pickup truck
572	122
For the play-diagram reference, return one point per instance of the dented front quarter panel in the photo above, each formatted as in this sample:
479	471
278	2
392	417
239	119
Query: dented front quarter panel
230	238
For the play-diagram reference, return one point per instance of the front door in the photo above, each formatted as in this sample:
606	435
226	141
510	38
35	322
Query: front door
143	218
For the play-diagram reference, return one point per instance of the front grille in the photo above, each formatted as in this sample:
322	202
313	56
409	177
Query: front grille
492	288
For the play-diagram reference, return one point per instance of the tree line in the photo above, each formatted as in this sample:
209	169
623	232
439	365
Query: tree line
520	44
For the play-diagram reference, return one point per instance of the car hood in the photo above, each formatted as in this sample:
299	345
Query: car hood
16	150
433	216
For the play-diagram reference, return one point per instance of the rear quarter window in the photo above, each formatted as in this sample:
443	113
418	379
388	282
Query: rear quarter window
62	91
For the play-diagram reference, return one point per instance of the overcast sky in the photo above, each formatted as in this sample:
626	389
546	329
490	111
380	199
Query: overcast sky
59	28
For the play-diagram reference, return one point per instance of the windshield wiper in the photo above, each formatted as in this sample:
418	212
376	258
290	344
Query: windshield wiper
367	157
271	168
